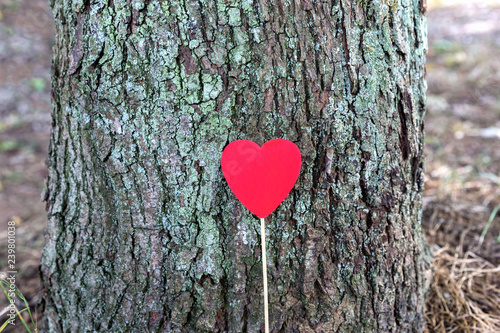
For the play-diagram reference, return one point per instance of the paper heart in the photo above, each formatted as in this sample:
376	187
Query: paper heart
261	177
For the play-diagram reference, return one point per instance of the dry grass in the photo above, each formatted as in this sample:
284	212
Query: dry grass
464	294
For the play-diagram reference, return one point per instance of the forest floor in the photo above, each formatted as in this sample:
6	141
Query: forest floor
26	39
462	150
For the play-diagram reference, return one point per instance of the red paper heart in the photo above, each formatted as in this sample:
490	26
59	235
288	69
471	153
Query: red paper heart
261	177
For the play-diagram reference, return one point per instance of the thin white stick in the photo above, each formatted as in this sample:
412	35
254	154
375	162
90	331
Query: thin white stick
264	270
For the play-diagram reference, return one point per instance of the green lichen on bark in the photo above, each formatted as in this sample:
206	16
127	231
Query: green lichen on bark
143	231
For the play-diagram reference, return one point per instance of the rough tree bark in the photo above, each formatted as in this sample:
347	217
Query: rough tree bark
144	233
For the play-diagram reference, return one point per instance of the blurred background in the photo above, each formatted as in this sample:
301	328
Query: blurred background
462	149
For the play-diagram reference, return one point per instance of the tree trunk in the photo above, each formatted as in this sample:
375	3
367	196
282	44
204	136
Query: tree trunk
144	233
